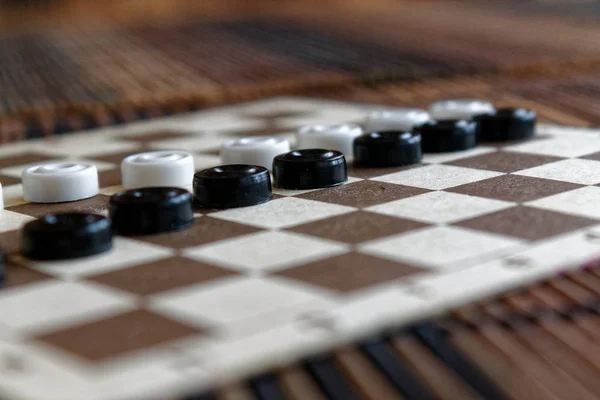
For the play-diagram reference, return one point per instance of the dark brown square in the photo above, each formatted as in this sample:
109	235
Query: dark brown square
124	333
366	172
25	158
6	180
20	275
363	193
96	204
111	177
357	227
593	156
527	223
514	188
204	230
350	272
161	275
504	161
10	241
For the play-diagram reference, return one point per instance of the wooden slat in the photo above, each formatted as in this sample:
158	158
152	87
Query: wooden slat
440	380
370	382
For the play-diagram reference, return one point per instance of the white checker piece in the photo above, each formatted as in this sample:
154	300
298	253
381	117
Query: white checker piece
157	168
440	207
459	108
261	319
398	119
266	251
17	171
338	137
60	182
437	177
256	150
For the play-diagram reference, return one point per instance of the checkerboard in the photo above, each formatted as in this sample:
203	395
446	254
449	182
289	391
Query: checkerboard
248	289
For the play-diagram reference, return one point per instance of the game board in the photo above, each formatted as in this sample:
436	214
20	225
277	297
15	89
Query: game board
250	289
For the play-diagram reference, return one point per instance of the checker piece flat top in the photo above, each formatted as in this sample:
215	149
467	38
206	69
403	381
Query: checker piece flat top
157	168
332	137
59	182
255	150
459	109
395	119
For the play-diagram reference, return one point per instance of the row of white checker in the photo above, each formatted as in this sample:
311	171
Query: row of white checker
210	124
579	142
51	182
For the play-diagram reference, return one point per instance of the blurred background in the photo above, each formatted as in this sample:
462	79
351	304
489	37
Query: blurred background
78	64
